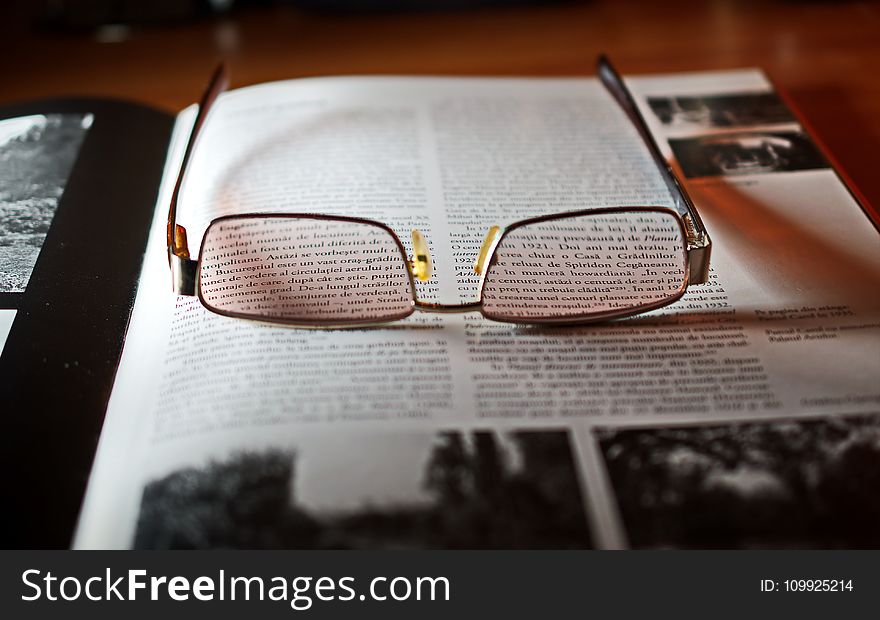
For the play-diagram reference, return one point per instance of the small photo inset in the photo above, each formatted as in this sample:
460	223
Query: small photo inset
391	490
37	154
746	153
740	110
780	484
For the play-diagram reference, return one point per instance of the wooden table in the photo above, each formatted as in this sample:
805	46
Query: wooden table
826	55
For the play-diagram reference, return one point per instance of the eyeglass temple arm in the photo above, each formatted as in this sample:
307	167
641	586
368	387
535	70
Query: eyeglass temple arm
183	268
699	245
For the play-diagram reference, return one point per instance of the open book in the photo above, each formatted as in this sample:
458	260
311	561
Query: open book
745	414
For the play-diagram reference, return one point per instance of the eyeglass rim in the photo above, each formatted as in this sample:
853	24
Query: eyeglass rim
416	304
308	323
592	317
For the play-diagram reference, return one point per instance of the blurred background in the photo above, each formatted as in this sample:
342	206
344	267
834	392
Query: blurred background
160	52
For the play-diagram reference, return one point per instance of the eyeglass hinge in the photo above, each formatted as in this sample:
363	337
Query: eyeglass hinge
695	239
183	274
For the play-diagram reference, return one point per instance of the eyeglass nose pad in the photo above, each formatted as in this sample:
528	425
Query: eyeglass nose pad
421	261
480	264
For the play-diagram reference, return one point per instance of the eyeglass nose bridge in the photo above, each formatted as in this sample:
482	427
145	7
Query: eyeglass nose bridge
421	267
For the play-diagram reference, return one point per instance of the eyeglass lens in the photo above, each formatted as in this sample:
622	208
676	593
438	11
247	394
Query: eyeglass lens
574	267
301	269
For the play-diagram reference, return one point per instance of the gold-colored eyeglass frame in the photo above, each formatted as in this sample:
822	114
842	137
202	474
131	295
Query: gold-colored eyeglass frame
697	245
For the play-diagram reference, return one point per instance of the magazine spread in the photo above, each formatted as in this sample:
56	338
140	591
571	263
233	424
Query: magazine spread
750	396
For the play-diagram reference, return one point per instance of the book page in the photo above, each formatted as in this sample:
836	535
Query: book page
469	425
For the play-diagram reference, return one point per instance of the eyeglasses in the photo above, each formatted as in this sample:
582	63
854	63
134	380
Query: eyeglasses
328	271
